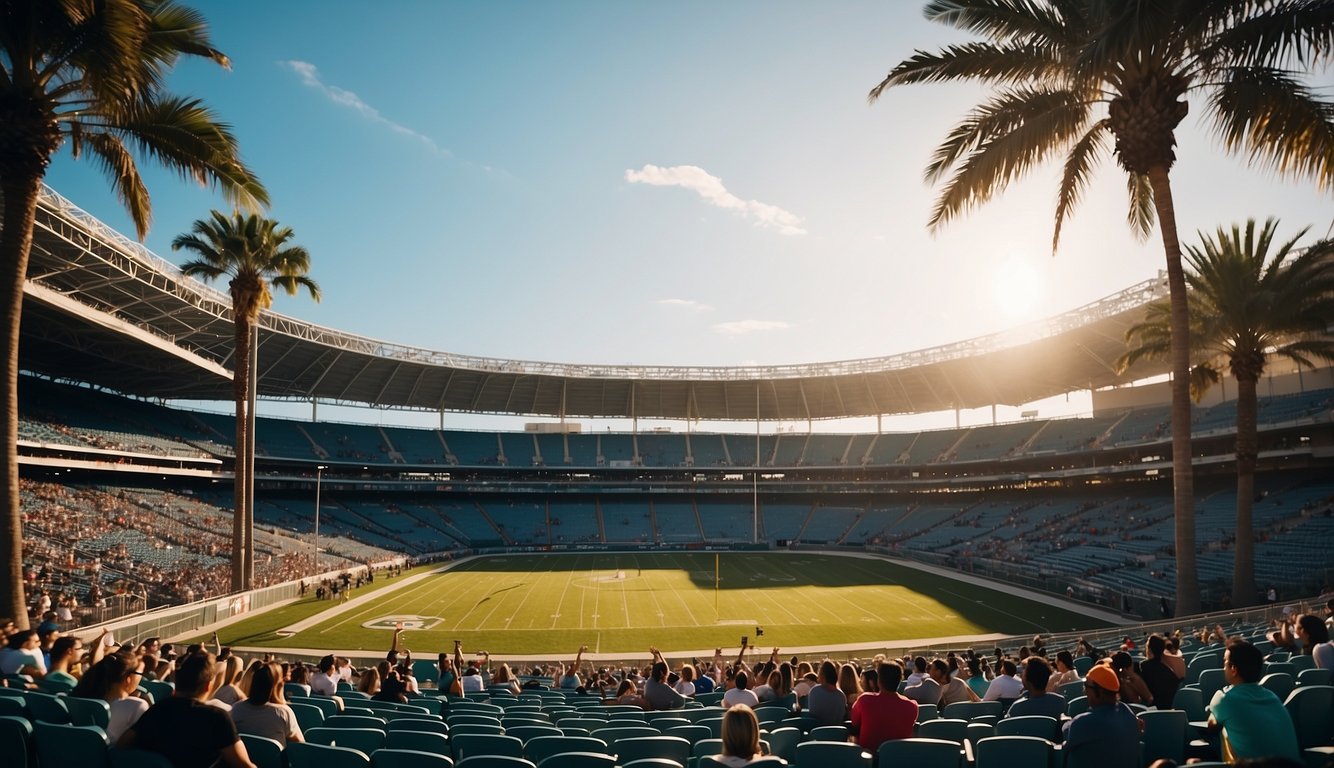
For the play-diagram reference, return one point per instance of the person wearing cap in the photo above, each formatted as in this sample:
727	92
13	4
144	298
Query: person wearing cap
1107	735
1251	717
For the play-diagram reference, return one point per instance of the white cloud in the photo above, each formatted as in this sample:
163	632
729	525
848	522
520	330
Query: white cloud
740	327
684	304
310	77
711	188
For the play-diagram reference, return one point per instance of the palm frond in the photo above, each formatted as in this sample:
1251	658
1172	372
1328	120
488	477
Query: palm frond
176	30
1277	122
185	136
1000	19
1141	213
1083	156
1000	141
986	62
117	163
1283	31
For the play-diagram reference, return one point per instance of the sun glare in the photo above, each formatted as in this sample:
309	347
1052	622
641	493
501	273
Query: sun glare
1019	289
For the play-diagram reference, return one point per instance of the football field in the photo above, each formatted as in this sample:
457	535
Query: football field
532	605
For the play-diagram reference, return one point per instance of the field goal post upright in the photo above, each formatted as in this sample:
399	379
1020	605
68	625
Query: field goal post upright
717	614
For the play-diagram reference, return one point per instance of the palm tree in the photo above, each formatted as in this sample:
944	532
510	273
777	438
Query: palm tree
91	73
257	254
1081	79
1247	306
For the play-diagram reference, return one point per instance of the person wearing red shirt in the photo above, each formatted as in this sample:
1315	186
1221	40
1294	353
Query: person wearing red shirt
883	716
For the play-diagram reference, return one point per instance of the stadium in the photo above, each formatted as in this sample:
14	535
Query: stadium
1073	514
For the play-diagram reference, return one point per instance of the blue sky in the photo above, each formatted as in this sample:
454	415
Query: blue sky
676	183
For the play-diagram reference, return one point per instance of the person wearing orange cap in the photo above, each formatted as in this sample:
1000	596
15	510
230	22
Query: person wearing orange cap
1107	735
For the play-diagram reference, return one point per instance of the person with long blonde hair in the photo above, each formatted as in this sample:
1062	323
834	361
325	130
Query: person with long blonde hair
227	679
849	683
264	711
741	737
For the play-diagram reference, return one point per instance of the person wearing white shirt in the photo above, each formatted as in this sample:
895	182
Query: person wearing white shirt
741	693
1006	686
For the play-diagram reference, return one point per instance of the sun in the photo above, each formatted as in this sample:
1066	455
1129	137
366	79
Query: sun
1019	289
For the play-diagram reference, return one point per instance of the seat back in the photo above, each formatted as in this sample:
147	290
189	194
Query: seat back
1040	726
947	729
420	741
578	760
525	732
494	761
409	758
264	752
366	740
355	721
81	745
1281	683
1008	751
927	712
16	741
641	747
542	747
1164	735
1315	677
920	753
783	743
47	707
1311	708
1211	682
88	711
420	724
967	710
829	733
1076	706
311	755
470	744
831	754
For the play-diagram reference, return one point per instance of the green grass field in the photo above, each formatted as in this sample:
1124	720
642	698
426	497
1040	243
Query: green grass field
534	605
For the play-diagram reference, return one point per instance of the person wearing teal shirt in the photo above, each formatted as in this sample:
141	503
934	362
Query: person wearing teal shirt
1253	720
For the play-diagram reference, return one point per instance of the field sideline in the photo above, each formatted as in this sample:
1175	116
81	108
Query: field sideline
540	605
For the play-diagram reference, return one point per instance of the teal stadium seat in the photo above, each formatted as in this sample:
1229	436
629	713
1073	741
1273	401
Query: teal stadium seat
783	743
494	761
1312	710
476	744
670	747
419	741
1029	725
408	758
1164	735
264	752
578	760
1010	751
948	729
366	740
418	724
74	745
88	711
920	753
16	741
308	755
542	747
830	754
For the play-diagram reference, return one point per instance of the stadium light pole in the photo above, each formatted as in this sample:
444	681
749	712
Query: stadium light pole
319	476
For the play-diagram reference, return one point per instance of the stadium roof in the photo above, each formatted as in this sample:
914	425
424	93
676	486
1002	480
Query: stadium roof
101	308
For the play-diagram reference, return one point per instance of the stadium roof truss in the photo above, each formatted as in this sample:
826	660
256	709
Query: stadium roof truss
100	307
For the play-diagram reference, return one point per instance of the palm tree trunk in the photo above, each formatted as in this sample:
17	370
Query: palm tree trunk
1243	577
1183	479
20	212
240	387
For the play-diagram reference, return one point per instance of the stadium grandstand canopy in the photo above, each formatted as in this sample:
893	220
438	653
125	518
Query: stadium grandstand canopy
101	308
